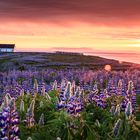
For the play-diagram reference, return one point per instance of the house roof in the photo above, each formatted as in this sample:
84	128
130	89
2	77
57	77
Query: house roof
7	46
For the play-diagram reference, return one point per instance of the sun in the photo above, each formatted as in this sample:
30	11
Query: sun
107	67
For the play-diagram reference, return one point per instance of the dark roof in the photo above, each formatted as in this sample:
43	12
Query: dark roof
7	45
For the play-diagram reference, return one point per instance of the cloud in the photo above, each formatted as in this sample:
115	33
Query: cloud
103	12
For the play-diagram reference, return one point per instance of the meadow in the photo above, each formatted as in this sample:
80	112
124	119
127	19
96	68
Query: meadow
69	104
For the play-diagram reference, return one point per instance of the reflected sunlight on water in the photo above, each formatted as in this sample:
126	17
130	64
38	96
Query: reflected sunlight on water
135	58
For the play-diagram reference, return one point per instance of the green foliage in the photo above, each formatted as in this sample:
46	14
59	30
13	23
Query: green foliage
138	107
93	123
36	132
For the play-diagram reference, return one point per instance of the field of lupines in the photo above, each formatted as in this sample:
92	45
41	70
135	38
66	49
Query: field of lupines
70	105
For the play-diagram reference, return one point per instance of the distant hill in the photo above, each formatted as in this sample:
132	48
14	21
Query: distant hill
35	60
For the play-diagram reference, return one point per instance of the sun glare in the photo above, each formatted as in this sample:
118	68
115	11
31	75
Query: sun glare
107	67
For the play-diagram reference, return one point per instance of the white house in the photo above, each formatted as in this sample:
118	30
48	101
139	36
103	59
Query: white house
7	47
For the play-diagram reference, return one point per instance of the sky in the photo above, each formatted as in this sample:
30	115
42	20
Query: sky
108	28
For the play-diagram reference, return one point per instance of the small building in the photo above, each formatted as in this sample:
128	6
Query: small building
7	48
68	53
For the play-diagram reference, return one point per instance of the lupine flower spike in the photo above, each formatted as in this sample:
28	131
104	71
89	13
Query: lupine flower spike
22	109
30	114
128	109
41	120
29	138
117	126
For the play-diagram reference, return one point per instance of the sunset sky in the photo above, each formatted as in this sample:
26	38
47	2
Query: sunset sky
108	28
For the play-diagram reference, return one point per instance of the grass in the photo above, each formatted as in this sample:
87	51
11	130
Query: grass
52	60
138	107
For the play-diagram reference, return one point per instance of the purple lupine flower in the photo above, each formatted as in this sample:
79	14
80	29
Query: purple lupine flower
9	121
117	126
130	88
128	109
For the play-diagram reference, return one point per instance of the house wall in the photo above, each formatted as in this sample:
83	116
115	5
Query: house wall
6	49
